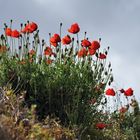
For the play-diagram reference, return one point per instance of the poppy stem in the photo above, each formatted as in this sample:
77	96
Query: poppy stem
60	42
78	41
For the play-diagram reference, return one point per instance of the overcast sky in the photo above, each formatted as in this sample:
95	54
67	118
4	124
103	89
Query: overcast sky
117	22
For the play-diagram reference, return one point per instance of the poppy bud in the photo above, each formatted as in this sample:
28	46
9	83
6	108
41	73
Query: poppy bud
62	56
101	64
57	50
43	42
61	24
5	25
96	54
66	49
2	37
106	52
109	65
19	47
111	79
102	68
106	73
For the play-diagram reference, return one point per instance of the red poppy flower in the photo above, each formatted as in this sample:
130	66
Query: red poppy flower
15	34
30	28
110	92
102	56
82	52
85	43
123	110
128	92
74	28
91	51
66	40
101	125
48	51
55	39
33	26
95	45
8	31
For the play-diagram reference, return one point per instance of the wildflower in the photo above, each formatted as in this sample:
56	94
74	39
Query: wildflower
102	56
55	39
30	28
110	92
101	125
128	92
95	45
48	51
85	43
8	31
15	34
74	28
91	51
66	40
33	26
82	52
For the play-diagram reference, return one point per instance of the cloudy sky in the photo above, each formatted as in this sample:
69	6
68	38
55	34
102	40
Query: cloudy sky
117	22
